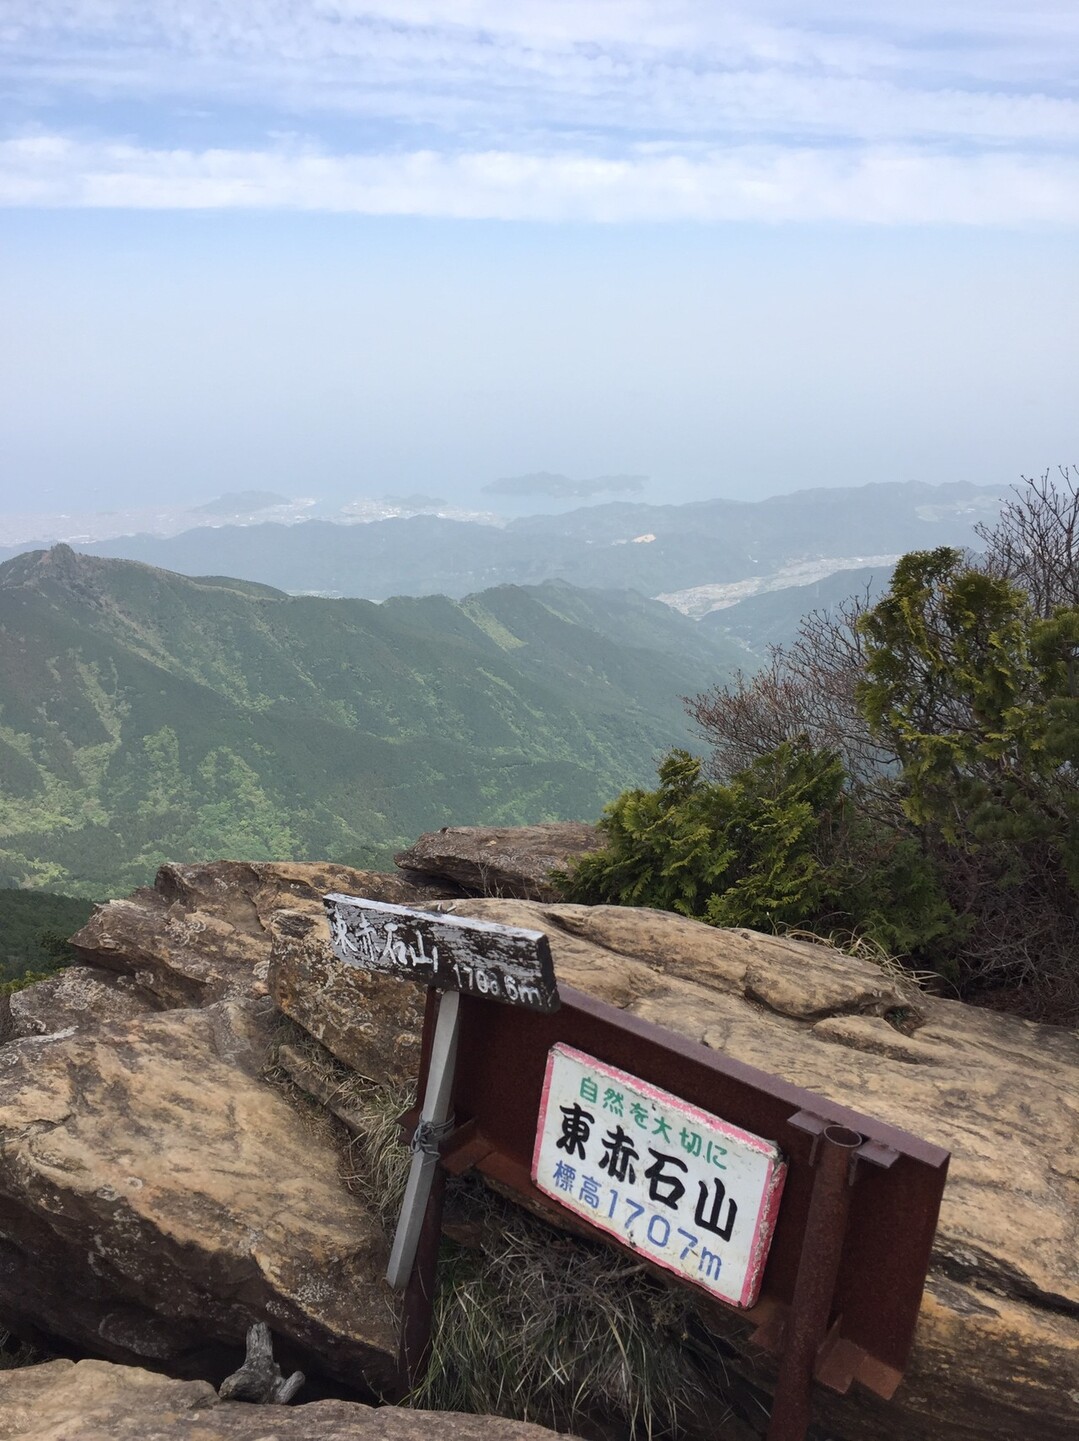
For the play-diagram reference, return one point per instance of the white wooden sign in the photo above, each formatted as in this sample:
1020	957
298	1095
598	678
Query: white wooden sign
685	1188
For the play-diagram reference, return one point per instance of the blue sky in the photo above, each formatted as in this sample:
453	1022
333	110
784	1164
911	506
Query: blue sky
341	249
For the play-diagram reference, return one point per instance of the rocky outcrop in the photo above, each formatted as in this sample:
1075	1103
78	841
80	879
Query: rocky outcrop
62	1399
157	1197
96	1401
369	1022
200	934
77	996
151	1165
507	861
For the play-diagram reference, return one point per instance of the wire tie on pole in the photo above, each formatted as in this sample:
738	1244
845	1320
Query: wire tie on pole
428	1136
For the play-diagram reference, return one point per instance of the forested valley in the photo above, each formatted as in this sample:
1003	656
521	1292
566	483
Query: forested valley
147	716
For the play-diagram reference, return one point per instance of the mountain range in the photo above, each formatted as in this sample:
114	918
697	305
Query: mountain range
654	549
146	715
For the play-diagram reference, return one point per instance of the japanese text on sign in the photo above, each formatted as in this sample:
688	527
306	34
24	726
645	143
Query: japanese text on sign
456	953
689	1191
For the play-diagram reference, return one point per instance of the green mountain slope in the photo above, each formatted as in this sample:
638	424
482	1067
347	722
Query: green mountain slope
33	925
147	716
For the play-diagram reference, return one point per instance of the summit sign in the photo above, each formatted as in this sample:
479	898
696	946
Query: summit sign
689	1191
448	953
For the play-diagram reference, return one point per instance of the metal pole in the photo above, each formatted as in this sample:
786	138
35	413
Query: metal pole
433	1115
418	1307
814	1286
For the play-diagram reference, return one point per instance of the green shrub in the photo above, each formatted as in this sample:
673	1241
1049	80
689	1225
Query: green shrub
953	704
782	845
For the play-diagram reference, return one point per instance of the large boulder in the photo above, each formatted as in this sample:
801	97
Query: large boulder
200	935
507	861
76	996
157	1197
96	1401
371	1023
58	1399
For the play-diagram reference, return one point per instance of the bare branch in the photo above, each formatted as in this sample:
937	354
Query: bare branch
1035	543
806	690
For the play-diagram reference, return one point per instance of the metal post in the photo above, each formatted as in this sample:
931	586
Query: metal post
433	1115
417	1309
814	1287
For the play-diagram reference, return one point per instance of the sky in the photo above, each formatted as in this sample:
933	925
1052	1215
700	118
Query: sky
340	250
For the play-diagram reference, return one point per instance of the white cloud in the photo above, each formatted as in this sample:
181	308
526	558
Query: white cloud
611	108
627	66
875	186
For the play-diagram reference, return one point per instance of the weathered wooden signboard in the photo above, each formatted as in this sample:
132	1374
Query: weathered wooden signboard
451	953
693	1193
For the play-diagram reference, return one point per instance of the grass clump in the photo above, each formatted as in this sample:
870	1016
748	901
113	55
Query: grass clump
15	1352
865	948
530	1323
377	1164
535	1325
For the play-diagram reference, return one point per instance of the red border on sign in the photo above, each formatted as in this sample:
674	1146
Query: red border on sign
767	1212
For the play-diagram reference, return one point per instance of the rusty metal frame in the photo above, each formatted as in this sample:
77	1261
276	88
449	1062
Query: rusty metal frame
844	1278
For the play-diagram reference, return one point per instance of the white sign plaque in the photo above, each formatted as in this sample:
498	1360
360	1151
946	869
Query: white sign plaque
686	1189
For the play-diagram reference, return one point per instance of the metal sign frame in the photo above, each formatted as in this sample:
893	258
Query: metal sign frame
843	1283
844	1276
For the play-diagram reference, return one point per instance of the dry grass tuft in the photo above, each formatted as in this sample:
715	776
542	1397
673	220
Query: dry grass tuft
377	1163
374	1164
539	1326
14	1352
530	1323
863	948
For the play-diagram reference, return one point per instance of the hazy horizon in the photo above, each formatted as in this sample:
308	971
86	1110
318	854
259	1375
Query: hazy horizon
496	509
429	244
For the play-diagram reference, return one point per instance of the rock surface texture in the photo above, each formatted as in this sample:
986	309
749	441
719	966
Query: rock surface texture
506	861
371	1023
200	934
77	996
157	1195
96	1401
